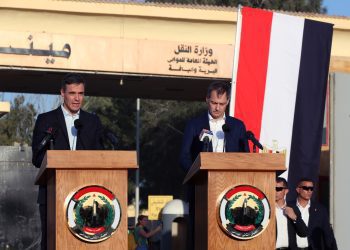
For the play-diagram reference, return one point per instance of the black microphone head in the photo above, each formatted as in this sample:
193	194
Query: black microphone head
225	128
249	134
206	139
251	137
78	124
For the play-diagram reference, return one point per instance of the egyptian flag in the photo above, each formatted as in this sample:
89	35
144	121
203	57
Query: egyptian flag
279	88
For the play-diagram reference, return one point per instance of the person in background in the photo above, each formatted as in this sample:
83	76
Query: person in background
142	234
316	218
288	219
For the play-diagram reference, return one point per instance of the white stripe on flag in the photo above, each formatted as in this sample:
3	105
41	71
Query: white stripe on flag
281	83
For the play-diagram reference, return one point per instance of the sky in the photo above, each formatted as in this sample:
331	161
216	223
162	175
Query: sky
337	7
46	102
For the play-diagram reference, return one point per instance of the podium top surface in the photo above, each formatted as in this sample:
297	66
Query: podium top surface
86	159
236	162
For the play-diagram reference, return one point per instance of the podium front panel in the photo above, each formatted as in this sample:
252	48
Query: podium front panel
207	214
65	183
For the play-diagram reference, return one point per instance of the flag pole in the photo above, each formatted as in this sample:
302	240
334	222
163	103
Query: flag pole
235	61
137	173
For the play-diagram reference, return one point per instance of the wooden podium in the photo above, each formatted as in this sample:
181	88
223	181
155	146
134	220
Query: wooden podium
65	172
215	173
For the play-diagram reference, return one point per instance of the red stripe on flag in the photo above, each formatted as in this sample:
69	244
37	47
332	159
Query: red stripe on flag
251	77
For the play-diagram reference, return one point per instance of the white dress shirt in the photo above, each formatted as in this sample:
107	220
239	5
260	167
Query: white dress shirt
71	130
302	241
282	228
218	139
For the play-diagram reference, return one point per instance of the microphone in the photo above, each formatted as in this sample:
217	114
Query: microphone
206	136
206	133
50	134
79	125
112	138
225	128
250	136
206	141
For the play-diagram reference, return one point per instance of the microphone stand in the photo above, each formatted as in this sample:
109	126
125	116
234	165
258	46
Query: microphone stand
80	139
112	139
224	148
51	144
206	144
256	143
225	129
78	126
254	148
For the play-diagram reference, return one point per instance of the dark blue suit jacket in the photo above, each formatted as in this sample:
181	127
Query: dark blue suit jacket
89	136
321	234
235	138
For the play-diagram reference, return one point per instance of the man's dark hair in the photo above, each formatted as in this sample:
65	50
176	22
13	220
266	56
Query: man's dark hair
220	87
72	78
280	179
305	179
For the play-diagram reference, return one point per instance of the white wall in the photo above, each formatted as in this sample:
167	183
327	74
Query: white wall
340	158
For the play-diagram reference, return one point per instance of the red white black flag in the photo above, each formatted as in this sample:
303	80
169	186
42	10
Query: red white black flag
280	84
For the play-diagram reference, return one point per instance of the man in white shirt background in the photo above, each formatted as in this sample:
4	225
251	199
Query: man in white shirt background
289	223
316	217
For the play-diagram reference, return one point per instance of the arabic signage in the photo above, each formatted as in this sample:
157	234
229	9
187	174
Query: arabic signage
156	204
109	54
65	52
194	59
34	49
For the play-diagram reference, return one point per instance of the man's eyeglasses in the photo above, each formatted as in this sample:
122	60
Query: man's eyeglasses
279	189
306	188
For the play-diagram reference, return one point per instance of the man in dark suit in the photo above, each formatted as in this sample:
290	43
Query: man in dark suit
288	219
228	135
69	128
316	218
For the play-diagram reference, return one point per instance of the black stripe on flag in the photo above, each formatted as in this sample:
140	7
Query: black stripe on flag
310	103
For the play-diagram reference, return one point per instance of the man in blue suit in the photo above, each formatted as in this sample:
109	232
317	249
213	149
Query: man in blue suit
69	127
227	134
